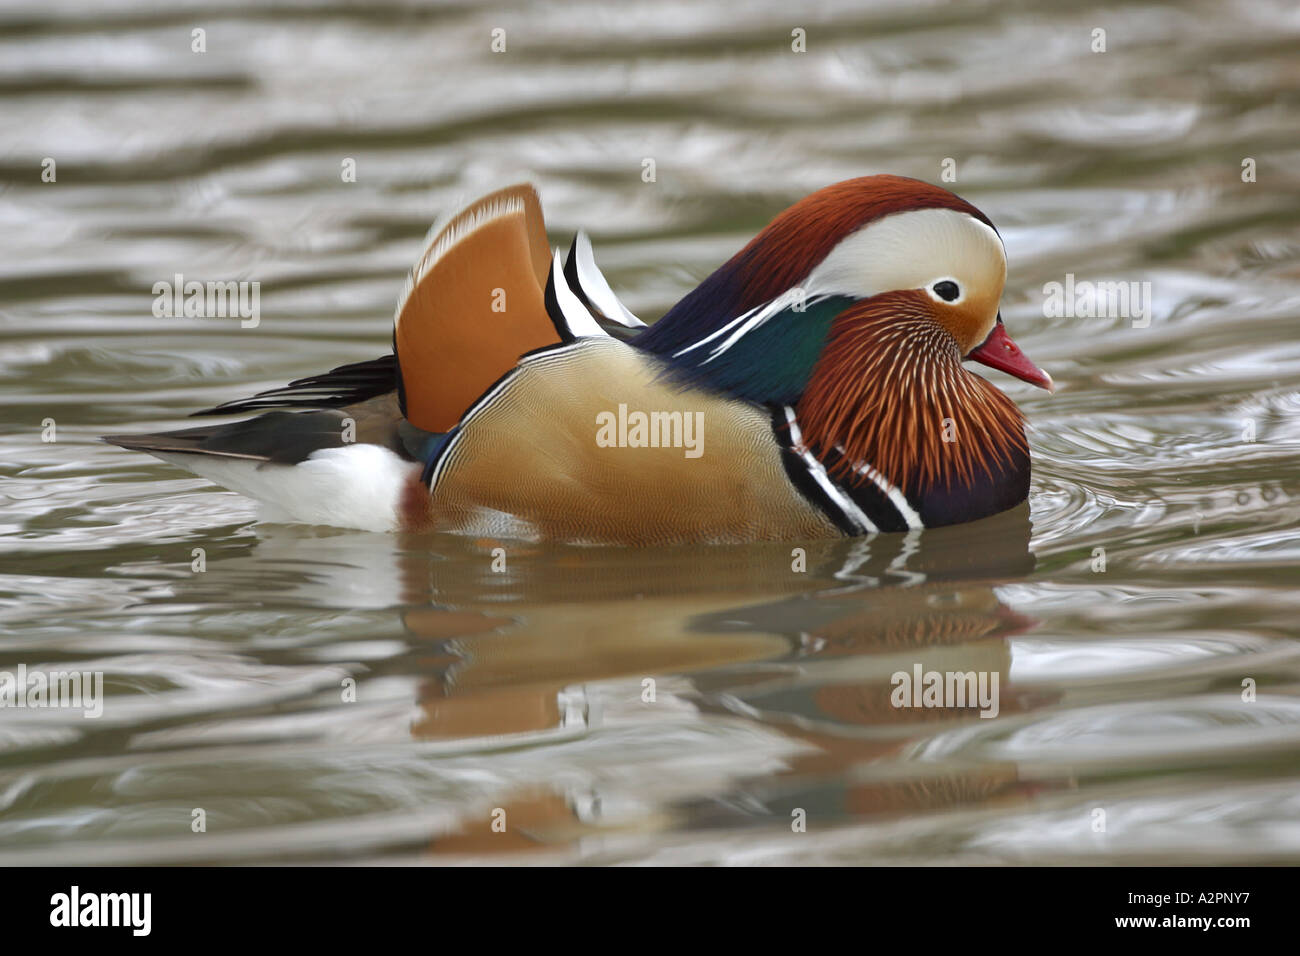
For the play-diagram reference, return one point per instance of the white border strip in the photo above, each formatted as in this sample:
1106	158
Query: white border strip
847	505
896	497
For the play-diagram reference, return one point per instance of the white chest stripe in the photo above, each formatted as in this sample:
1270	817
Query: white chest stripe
896	497
847	505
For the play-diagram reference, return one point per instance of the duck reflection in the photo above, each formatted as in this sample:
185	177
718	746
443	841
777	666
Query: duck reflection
748	681
805	641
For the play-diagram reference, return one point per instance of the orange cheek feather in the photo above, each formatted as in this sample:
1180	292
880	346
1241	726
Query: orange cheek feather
970	322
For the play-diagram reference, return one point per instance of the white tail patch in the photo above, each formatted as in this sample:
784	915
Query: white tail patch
356	486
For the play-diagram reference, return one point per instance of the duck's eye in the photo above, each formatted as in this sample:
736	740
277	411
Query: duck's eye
946	290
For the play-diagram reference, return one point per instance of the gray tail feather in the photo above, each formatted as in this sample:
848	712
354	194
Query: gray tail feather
279	437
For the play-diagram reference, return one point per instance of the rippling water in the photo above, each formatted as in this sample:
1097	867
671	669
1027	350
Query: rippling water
1171	447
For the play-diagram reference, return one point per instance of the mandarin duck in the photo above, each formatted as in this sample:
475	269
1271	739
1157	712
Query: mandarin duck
812	386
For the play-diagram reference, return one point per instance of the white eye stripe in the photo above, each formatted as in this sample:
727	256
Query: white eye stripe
914	250
956	300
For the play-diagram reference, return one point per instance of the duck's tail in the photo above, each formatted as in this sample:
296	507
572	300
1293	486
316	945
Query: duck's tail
485	291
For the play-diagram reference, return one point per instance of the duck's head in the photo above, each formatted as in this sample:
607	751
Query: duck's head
858	305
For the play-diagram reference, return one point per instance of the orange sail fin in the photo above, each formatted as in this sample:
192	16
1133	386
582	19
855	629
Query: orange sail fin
474	304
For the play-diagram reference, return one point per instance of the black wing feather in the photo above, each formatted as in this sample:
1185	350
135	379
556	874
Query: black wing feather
345	385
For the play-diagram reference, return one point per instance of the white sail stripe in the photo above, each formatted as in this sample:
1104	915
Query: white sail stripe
597	289
572	311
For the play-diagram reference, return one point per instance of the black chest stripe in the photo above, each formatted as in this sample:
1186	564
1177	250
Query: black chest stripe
870	497
871	501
